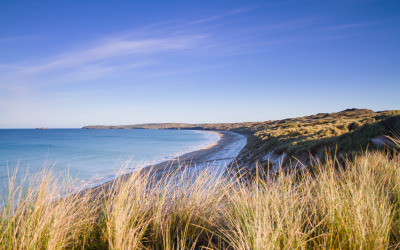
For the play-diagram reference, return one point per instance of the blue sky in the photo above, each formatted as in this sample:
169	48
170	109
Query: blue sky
75	63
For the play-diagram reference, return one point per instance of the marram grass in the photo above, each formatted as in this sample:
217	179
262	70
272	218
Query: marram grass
350	204
34	216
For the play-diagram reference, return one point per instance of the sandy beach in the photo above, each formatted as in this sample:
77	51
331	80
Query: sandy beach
216	155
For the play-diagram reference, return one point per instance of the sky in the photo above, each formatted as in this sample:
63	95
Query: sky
71	63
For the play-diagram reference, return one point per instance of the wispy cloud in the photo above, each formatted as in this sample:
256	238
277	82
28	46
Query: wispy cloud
15	38
111	55
351	25
241	10
216	17
92	71
116	48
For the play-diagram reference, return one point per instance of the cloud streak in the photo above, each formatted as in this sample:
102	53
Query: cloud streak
115	48
14	39
351	26
111	55
217	17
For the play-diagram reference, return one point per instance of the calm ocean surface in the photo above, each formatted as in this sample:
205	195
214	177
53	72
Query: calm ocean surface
92	155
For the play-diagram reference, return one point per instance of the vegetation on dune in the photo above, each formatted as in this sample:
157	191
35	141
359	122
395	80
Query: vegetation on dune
35	216
353	203
310	137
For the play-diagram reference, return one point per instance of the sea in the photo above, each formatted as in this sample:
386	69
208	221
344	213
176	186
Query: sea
92	156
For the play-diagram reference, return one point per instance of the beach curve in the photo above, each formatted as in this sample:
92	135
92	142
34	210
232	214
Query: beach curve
217	155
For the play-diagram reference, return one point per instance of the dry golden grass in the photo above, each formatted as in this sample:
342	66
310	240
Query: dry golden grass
350	204
35	216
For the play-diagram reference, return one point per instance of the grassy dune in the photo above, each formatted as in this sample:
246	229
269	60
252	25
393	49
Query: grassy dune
317	135
351	203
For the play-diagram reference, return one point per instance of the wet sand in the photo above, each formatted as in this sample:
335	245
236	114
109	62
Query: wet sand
204	156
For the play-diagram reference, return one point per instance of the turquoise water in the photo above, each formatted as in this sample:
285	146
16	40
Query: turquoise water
92	155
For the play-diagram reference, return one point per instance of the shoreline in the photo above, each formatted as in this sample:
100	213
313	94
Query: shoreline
220	153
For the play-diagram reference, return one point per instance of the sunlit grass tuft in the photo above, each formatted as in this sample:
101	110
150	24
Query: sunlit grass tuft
35	215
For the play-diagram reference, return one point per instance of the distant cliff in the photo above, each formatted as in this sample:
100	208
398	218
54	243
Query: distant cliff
145	126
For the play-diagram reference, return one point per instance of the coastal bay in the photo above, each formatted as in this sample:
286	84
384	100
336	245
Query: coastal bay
216	157
92	157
